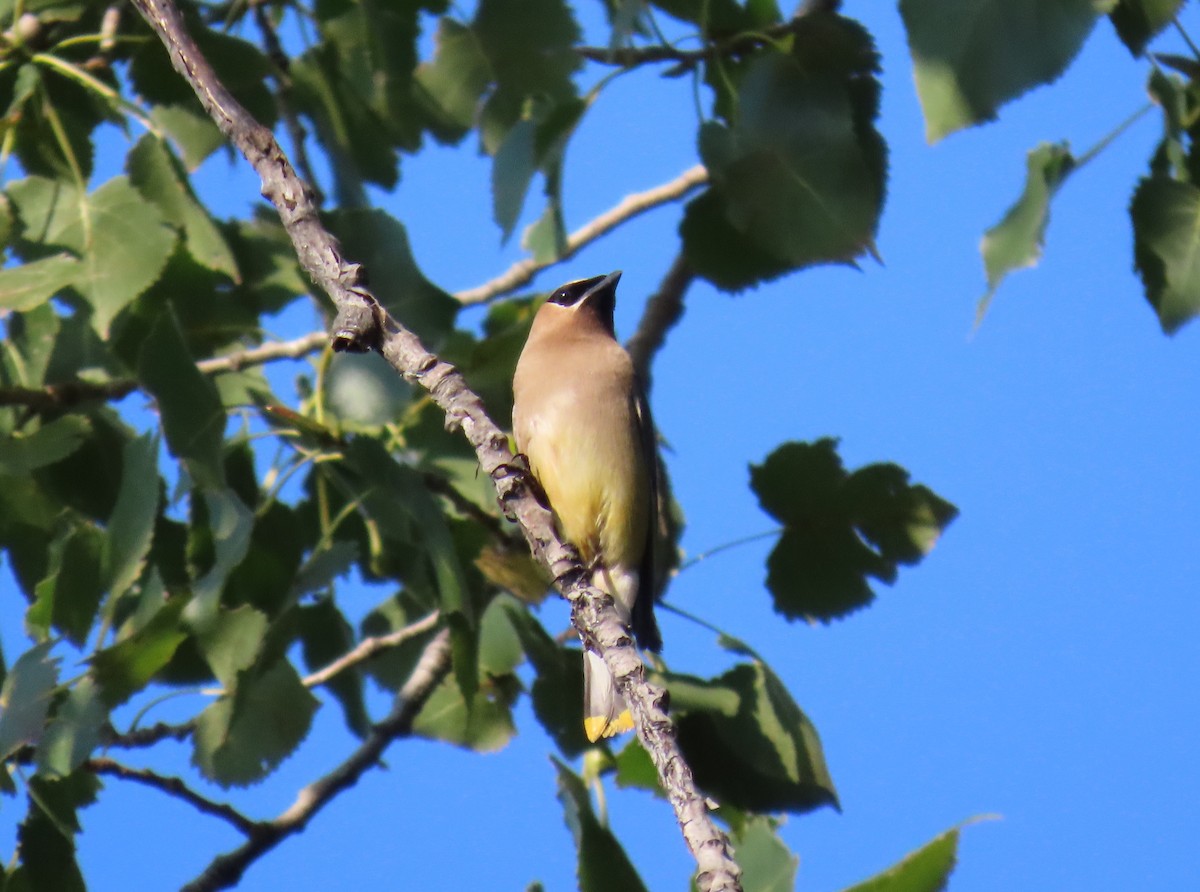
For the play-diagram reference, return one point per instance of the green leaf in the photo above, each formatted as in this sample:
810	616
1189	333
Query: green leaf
392	667
603	864
1016	241
325	635
363	392
45	839
530	48
512	172
840	528
74	732
242	738
131	527
1166	246
927	869
379	241
483	723
972	56
32	284
558	686
232	641
193	419
749	744
69	595
122	240
192	131
160	179
800	174
1138	21
767	864
346	125
48	444
454	80
126	667
25	697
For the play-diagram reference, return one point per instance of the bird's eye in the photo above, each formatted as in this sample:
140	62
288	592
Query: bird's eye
562	297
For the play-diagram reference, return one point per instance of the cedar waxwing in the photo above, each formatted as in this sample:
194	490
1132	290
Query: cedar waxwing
581	420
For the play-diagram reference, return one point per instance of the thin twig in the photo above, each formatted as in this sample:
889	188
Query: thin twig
71	393
368	647
663	310
174	786
523	271
226	870
363	324
686	60
139	738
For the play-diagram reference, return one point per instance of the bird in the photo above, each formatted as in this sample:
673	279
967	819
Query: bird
581	420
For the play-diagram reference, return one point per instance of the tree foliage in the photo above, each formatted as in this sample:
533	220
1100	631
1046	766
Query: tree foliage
180	549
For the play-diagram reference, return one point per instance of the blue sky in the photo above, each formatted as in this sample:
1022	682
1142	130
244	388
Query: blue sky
1040	665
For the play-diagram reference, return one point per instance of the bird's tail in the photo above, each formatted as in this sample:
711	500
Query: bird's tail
605	712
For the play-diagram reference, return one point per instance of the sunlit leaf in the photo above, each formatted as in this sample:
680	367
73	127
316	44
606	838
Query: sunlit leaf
126	667
74	732
602	863
32	284
926	869
767	864
159	178
1016	241
25	697
972	56
131	527
243	737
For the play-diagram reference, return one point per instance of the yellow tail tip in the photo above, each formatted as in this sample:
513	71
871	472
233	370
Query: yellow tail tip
597	726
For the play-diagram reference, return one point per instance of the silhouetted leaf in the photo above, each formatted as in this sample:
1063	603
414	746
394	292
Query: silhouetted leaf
325	635
193	419
840	528
69	596
1166	243
45	839
1138	21
748	743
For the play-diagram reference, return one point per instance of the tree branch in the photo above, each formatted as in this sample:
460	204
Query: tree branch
363	324
140	738
226	870
174	786
71	393
368	647
523	271
663	310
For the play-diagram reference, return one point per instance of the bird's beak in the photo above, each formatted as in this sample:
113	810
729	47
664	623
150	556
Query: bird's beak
602	284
